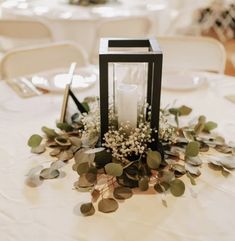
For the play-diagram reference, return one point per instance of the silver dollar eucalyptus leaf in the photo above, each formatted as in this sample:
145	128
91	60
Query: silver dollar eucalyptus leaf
94	150
122	192
57	164
144	183
49	173
33	181
38	149
177	187
62	141
192	169
195	161
55	152
34	170
34	140
65	155
107	205
75	141
87	209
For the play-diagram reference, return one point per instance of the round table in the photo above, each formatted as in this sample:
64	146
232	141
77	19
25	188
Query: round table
51	211
79	23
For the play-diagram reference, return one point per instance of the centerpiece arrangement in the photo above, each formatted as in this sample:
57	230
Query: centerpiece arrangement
122	141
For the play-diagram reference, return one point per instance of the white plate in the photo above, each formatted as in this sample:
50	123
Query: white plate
182	80
56	82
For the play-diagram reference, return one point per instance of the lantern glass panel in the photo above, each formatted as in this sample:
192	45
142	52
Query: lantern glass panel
127	92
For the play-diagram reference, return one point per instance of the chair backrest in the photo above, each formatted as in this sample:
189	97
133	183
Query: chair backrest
19	33
28	61
192	53
128	27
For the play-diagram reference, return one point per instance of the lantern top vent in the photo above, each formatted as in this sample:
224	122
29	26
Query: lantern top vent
121	48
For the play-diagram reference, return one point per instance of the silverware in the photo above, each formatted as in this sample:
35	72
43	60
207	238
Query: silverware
24	87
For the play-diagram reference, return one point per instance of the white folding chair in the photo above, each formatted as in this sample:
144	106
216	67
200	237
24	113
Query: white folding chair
128	27
20	33
28	61
192	53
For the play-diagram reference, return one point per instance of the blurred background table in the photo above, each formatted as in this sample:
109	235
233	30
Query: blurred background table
79	23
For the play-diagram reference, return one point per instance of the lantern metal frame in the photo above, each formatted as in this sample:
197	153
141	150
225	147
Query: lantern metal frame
153	57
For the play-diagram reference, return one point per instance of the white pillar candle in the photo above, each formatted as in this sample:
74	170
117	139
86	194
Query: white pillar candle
127	101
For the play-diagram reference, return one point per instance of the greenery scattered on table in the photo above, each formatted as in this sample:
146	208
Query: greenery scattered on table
126	162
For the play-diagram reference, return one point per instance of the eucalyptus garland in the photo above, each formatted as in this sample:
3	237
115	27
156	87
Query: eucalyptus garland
126	161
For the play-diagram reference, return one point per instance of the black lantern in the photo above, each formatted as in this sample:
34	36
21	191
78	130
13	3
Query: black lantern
130	77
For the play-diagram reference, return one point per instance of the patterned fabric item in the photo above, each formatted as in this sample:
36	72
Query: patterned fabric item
219	18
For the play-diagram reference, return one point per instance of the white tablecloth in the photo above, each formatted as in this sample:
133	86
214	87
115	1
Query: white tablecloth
77	23
50	212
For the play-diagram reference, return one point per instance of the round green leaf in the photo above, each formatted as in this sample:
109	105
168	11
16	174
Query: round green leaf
50	133
154	159
122	192
184	110
83	168
144	184
64	127
75	141
161	187
49	173
177	187
166	176
87	209
114	169
34	140
107	205
38	149
192	149
209	126
62	141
